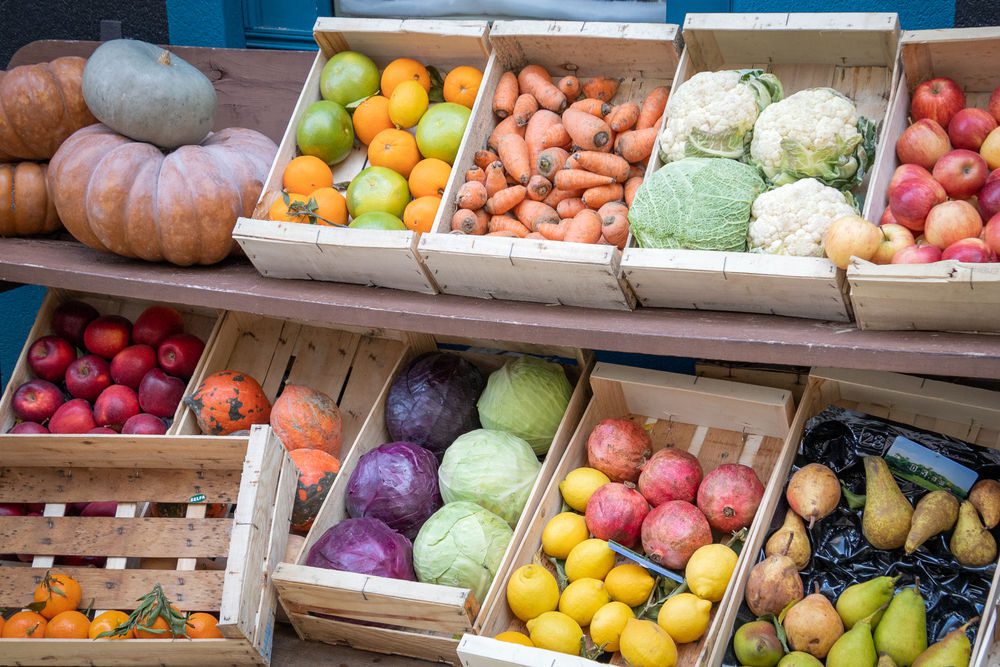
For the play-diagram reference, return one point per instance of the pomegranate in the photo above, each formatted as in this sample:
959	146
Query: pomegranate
618	448
729	497
616	512
672	474
673	531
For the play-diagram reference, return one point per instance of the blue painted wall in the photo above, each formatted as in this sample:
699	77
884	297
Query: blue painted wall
206	23
913	14
19	307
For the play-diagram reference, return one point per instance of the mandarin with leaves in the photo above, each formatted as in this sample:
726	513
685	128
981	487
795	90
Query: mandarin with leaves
56	593
203	626
24	625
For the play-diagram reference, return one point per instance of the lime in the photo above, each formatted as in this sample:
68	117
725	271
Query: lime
378	189
377	220
325	131
440	131
348	77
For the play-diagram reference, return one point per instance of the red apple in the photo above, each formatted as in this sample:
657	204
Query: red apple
939	99
36	401
991	233
989	199
179	354
102	430
962	173
87	377
913	199
105	508
994	176
895	237
952	221
159	393
156	324
994	105
11	509
107	335
922	143
887	218
921	253
50	356
71	318
850	236
115	405
72	417
970	127
969	250
131	364
907	171
144	424
28	428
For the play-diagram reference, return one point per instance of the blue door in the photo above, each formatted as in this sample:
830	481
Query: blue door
282	24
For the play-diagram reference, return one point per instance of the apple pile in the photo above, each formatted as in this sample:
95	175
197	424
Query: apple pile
129	378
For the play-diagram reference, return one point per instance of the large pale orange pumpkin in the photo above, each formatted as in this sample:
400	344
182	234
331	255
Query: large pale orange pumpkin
25	206
40	106
129	198
305	418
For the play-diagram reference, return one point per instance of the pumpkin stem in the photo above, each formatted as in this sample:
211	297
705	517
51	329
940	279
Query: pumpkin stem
164	58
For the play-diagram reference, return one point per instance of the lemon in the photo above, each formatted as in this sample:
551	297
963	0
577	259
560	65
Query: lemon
591	558
582	598
562	533
709	570
646	644
556	631
685	617
512	637
629	583
607	625
407	104
579	485
531	591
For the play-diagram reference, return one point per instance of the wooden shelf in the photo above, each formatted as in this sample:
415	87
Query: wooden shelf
712	335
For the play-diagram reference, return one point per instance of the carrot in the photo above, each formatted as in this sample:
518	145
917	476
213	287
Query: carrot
605	164
652	108
495	179
501	223
600	87
505	95
471	196
484	158
535	131
536	236
567	208
550	161
593	107
556	135
636	145
535	80
570	87
597	197
506	199
469	222
506	126
475	174
504	234
557	196
587	132
614	223
623	117
553	232
539	187
533	213
525	106
514	155
637	169
578	179
631	187
584	227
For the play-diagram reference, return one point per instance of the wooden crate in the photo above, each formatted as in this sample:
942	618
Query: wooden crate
256	474
575	274
718	421
965	413
362	256
854	53
202	322
415	619
948	295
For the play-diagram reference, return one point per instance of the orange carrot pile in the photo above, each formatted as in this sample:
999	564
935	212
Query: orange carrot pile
563	162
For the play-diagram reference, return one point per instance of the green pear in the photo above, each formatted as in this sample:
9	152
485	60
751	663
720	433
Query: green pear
971	544
954	650
756	644
886	519
797	548
902	632
936	512
985	496
886	661
799	659
865	599
855	648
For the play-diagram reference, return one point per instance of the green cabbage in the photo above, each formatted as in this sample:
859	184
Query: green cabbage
493	469
696	203
461	545
527	397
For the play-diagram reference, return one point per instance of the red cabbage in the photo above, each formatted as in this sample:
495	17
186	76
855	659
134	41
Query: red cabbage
364	546
433	401
396	483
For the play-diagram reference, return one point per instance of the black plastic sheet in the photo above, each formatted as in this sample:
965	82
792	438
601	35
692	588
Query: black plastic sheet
840	438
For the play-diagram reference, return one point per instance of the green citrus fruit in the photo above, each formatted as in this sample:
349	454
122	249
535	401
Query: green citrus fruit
377	220
325	131
348	77
440	131
378	189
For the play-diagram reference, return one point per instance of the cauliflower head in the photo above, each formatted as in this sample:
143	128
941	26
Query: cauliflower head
815	133
792	219
712	114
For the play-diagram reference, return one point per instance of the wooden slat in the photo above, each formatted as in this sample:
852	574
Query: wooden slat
140	451
86	652
23	485
382	640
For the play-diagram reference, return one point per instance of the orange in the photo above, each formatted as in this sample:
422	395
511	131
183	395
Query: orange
429	177
404	69
68	625
60	592
203	626
419	213
462	84
371	117
305	174
107	622
396	150
330	205
159	624
279	210
24	625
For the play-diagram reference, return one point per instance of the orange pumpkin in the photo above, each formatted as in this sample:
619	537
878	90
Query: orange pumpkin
40	106
228	401
305	418
317	470
25	206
